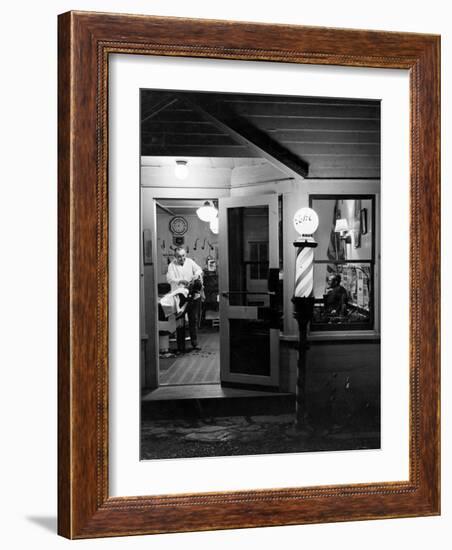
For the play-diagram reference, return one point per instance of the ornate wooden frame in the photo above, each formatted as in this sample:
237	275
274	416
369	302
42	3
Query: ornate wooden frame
85	42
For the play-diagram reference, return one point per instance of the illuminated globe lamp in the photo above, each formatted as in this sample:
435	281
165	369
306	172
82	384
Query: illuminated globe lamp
306	222
214	225
207	212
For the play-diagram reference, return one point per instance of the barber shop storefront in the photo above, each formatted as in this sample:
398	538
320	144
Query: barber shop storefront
223	177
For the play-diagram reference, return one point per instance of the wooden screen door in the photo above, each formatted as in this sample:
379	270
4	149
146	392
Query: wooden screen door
248	247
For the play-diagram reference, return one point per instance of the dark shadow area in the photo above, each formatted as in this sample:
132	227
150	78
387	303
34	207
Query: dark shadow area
49	523
248	435
343	412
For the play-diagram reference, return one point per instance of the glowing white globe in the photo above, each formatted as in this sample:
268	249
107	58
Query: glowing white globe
214	226
207	212
306	221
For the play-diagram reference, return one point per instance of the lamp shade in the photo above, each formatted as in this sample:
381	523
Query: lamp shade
341	225
207	212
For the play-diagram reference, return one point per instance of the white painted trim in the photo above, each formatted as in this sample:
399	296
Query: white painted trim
186	193
153	194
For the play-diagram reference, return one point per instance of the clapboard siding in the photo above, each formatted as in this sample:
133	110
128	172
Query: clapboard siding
306	110
327	136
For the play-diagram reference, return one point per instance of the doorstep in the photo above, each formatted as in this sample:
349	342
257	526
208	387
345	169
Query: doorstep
212	400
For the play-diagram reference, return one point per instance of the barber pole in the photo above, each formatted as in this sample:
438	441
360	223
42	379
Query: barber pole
304	272
306	222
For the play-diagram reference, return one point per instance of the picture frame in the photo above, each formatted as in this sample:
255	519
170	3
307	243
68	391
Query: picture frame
147	247
85	508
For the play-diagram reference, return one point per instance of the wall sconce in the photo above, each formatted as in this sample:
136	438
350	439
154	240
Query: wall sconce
181	169
342	228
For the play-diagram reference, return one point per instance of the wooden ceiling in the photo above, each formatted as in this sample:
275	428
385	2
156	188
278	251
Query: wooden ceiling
317	138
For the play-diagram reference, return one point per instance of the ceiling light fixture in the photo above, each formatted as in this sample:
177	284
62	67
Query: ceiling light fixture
181	169
207	212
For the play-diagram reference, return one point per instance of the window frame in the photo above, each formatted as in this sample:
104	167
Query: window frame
261	265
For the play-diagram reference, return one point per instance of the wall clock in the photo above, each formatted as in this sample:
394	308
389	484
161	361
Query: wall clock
178	225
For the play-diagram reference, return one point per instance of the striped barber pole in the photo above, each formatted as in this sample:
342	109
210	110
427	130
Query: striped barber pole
304	272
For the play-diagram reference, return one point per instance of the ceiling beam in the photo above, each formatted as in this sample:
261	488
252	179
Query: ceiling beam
157	107
164	208
247	134
230	151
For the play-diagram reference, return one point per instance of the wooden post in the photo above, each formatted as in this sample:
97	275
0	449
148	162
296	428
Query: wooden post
303	309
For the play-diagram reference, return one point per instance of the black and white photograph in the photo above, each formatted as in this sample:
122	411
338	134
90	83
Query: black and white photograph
259	274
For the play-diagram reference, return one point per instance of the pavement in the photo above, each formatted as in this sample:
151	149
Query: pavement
248	435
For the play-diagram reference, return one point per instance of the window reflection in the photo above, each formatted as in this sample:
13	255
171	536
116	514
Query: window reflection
346	299
345	229
344	263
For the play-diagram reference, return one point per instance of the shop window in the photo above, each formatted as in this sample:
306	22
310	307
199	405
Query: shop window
344	263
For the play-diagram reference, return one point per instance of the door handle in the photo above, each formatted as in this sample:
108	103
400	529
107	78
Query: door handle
225	294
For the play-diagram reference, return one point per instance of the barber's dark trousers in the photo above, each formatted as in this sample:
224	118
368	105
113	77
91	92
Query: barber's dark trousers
193	320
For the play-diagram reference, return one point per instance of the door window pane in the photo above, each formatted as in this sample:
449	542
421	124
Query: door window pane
249	347
248	238
258	260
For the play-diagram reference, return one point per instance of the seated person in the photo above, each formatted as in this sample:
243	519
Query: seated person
184	272
171	309
335	297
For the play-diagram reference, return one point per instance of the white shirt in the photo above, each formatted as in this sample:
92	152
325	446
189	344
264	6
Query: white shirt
171	302
187	272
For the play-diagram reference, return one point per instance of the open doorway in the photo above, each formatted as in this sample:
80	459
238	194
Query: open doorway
211	292
187	291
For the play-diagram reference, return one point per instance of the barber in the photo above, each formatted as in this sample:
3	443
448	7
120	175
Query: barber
185	272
